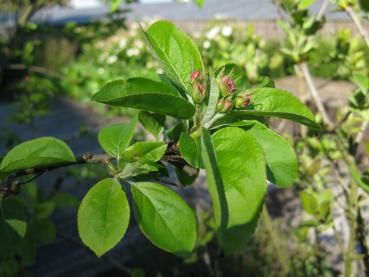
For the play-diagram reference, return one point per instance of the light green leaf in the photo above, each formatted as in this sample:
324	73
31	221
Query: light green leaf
134	169
304	4
189	150
309	202
274	102
164	217
362	82
175	52
37	153
115	138
103	216
282	165
213	100
145	151
238	193
152	122
145	94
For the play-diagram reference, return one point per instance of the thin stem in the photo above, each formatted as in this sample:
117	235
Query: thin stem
357	21
314	93
274	240
350	250
322	10
365	35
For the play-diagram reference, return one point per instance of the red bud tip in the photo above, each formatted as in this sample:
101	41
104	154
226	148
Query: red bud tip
195	75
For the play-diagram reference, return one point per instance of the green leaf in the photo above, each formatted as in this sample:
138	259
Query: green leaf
282	165
304	4
145	94
362	82
15	215
274	102
45	231
364	4
145	151
238	193
213	100
184	178
164	217
103	216
309	202
13	225
175	52
152	122
190	150
115	138
65	200
134	169
115	4
37	153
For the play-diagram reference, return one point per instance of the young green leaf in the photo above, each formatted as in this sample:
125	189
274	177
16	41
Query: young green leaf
175	52
115	138
145	151
282	165
152	122
304	4
238	193
145	94
37	153
164	217
103	216
136	168
190	150
273	102
213	100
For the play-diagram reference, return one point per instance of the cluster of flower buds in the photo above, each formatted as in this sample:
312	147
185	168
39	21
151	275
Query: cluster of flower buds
224	105
242	100
230	98
227	86
198	87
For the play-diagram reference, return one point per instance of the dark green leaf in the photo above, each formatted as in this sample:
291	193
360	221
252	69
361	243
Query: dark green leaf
152	122
145	94
184	178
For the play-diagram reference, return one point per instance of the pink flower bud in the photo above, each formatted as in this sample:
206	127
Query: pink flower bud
227	85
198	93
242	101
230	86
196	75
224	105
